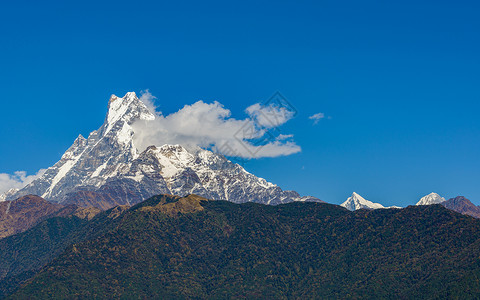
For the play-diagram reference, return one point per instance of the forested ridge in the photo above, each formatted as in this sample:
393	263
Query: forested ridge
176	247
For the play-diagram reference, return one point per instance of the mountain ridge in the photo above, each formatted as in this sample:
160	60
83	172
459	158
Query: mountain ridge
462	205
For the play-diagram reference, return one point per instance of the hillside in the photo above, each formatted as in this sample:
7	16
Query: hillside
23	254
25	212
19	215
188	247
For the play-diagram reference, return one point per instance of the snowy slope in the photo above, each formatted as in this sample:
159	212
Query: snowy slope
432	198
356	201
7	194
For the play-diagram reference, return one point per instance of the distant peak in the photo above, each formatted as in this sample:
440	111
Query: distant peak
432	198
357	202
359	198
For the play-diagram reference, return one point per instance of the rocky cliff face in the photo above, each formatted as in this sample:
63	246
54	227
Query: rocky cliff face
106	169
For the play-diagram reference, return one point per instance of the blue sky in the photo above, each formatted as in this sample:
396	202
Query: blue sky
400	82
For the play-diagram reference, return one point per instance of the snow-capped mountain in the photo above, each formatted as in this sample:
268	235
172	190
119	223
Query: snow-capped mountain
432	198
356	201
109	165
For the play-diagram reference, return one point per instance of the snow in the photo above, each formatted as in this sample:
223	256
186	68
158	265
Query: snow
8	207
358	202
62	171
118	107
169	170
124	136
138	176
173	159
100	169
432	198
8	193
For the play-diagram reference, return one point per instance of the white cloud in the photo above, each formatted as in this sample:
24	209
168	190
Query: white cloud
282	137
269	116
317	117
148	99
210	125
18	180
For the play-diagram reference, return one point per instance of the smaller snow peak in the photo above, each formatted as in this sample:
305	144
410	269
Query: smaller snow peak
358	198
358	202
432	198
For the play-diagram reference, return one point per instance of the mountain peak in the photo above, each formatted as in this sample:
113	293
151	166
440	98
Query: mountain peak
432	198
358	202
129	108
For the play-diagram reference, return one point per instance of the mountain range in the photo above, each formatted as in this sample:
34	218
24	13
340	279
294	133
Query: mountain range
459	204
107	169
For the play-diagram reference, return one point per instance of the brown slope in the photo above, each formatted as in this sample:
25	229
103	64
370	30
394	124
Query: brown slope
25	212
101	200
462	205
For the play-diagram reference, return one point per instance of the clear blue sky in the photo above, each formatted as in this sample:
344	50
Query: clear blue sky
400	81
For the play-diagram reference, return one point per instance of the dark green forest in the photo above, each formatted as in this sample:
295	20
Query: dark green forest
171	247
